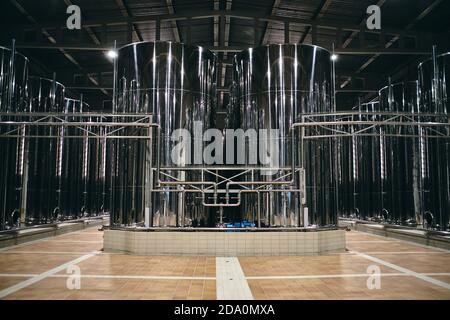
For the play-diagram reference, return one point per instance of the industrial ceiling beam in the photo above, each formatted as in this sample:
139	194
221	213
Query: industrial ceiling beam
346	51
317	15
266	33
69	57
126	13
176	33
216	24
89	30
361	24
422	15
201	14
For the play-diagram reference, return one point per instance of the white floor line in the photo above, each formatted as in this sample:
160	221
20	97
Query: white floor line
390	252
405	252
368	241
139	277
37	278
107	276
80	241
76	253
143	277
231	283
349	275
404	270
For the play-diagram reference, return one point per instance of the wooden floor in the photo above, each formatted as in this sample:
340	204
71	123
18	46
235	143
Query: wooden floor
49	269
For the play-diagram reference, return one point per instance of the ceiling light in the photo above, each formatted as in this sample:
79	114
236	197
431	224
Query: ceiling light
112	54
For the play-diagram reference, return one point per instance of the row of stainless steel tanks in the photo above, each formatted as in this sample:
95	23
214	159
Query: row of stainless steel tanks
45	176
143	182
401	174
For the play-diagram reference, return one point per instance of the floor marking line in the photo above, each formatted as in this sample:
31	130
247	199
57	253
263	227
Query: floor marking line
325	276
349	275
318	276
404	270
26	283
100	276
231	283
108	276
368	241
74	253
405	252
80	241
390	252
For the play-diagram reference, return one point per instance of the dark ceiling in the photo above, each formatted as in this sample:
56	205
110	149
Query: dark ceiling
366	59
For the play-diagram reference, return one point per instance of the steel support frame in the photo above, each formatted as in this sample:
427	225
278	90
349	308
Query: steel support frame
310	127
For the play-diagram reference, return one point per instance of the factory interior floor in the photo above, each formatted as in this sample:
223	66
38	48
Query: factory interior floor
49	269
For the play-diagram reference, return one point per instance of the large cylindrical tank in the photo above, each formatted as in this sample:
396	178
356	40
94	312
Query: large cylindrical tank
358	168
98	157
83	177
13	98
44	160
435	153
176	83
399	157
277	84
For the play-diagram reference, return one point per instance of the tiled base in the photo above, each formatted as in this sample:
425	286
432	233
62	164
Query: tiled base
407	234
33	234
224	244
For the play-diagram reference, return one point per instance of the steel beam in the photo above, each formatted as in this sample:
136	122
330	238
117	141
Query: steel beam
201	14
126	13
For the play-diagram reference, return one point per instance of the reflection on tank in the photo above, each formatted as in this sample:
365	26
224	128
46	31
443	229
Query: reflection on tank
392	173
276	84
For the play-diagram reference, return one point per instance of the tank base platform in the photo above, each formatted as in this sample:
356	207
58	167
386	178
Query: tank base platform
224	243
20	236
438	239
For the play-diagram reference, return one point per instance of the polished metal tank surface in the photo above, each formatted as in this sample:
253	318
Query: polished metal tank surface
97	201
399	157
84	162
13	98
276	85
44	162
358	171
175	83
435	167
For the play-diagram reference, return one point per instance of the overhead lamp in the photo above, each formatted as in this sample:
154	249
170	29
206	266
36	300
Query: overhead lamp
112	54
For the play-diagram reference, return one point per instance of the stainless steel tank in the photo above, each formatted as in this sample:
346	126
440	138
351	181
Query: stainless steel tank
399	156
358	169
276	85
176	84
13	98
347	174
44	161
435	166
82	184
